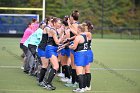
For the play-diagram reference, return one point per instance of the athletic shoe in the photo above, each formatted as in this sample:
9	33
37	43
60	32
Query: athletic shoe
26	72
22	55
42	84
49	87
31	72
71	85
61	75
70	80
22	67
65	79
78	90
87	88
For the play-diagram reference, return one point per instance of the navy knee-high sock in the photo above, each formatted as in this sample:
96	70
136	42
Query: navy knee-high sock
85	80
59	70
42	74
81	81
51	76
63	69
88	79
67	72
73	76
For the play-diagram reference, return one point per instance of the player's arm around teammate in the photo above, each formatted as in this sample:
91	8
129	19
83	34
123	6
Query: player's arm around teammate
80	57
41	52
89	28
51	52
65	55
73	25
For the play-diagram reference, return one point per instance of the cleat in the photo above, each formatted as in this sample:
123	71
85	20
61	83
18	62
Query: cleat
22	67
26	72
78	90
65	80
61	75
71	85
49	87
42	84
70	80
87	88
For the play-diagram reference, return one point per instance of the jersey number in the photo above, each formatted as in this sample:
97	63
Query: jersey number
86	46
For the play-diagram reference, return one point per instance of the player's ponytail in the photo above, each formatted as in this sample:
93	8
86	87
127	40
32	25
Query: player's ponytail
75	15
89	25
49	18
82	27
65	20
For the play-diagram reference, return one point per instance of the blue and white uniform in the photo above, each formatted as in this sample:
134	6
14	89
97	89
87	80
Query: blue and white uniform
65	52
80	55
51	48
71	35
43	44
90	53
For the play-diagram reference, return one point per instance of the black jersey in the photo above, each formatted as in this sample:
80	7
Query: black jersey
51	40
71	33
82	46
43	42
89	44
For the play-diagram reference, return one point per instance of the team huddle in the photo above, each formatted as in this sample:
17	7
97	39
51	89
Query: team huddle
59	47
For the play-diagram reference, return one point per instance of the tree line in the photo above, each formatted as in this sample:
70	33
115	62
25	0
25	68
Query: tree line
110	13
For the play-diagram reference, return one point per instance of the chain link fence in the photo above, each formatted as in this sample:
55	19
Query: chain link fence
117	33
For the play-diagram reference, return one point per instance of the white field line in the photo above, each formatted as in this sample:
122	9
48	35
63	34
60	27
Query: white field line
12	67
12	90
129	69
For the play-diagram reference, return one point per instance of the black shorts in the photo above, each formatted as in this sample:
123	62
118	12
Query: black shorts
24	48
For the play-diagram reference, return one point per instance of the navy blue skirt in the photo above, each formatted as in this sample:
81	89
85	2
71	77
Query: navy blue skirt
90	56
41	53
65	52
51	50
80	58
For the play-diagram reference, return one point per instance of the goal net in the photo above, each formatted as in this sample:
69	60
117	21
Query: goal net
15	23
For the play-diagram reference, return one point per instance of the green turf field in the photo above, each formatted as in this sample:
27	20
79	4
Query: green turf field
116	68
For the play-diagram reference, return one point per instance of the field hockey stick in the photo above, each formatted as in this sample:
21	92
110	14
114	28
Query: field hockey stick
67	43
63	46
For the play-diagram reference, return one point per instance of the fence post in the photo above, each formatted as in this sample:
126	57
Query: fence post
139	33
102	33
121	34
